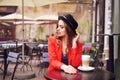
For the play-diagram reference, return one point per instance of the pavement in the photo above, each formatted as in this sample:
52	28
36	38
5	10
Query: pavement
37	72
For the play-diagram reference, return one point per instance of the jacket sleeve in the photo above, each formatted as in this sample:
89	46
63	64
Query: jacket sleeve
53	54
76	55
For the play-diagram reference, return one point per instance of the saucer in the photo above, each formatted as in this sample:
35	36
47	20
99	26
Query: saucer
86	68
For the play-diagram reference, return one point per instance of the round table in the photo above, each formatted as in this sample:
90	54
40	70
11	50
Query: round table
97	74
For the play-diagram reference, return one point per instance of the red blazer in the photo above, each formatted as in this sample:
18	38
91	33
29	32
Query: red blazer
55	54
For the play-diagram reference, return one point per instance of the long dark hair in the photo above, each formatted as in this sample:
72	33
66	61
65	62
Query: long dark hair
70	36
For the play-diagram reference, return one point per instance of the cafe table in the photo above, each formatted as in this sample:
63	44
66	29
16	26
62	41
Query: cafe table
96	74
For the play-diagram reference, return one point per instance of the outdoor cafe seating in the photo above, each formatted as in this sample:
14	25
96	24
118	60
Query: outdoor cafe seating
5	47
22	65
14	58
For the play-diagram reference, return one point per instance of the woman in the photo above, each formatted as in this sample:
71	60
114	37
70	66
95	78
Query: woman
64	48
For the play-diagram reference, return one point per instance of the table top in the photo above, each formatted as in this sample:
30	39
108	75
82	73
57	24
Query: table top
97	74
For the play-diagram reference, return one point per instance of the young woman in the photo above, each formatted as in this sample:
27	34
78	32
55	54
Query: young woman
64	48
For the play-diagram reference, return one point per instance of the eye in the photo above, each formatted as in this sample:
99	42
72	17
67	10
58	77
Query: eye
61	27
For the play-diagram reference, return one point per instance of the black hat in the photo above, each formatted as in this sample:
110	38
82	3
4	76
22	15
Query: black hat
70	21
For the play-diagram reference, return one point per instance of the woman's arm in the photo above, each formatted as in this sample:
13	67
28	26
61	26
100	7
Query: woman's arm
76	51
54	55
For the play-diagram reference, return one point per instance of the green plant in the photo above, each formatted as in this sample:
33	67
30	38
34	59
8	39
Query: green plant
39	31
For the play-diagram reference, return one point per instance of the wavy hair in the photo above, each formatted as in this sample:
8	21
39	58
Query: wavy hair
70	36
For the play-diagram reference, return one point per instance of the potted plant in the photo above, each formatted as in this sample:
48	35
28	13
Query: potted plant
90	49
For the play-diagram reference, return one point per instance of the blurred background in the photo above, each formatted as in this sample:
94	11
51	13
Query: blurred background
97	19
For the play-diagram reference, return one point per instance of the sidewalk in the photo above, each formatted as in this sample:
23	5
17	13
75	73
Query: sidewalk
36	74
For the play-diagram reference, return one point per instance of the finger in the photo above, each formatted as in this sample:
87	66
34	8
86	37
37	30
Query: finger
78	35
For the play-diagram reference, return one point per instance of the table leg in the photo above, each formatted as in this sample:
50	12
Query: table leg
110	62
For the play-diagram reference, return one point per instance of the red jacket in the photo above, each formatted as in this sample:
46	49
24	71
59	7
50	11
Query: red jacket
55	54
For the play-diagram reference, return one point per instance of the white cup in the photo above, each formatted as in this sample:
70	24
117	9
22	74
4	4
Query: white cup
85	60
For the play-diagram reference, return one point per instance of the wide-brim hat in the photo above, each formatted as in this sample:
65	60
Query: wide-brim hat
70	21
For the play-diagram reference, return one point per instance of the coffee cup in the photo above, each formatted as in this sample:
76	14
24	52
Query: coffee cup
85	60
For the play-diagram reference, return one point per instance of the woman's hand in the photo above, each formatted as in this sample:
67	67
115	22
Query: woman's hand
75	40
69	69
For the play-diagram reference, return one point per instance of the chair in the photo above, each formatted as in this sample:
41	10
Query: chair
1	60
13	57
25	62
44	59
33	52
36	54
44	51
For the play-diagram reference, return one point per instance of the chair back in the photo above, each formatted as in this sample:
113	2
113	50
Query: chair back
13	57
45	57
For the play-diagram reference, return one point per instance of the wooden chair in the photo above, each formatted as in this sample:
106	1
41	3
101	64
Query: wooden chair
13	57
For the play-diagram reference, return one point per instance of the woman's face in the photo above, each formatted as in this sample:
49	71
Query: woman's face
61	30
